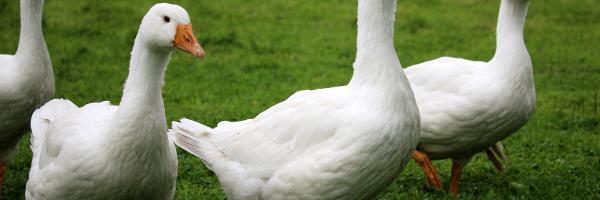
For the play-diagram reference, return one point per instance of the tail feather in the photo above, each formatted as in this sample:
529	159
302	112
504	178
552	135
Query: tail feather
192	137
235	179
191	126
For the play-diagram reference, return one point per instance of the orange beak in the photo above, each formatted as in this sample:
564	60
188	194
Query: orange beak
186	41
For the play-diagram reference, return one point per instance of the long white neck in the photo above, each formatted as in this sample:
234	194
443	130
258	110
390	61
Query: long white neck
376	60
32	54
146	73
511	53
140	119
31	41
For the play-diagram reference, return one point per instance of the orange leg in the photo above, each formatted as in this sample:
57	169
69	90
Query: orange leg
432	176
495	158
2	170
456	173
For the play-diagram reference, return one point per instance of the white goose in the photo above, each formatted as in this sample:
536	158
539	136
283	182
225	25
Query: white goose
345	142
468	106
26	81
101	151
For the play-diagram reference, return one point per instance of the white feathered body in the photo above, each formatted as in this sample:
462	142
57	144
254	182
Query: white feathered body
466	106
352	138
68	163
26	82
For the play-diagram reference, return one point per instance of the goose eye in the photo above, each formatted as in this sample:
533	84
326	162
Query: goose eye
167	19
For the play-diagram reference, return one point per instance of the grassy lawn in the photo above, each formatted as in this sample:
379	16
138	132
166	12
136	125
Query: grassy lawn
260	52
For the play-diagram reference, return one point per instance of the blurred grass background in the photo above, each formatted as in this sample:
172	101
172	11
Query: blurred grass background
260	52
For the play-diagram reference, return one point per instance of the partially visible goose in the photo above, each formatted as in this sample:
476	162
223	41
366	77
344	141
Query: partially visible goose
26	81
101	151
346	142
468	106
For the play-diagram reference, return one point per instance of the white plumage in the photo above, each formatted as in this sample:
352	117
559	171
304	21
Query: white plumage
467	106
101	151
345	142
26	81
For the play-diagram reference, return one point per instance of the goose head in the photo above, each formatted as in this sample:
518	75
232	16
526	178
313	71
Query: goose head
166	27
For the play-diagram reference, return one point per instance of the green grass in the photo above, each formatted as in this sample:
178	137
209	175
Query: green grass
260	52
